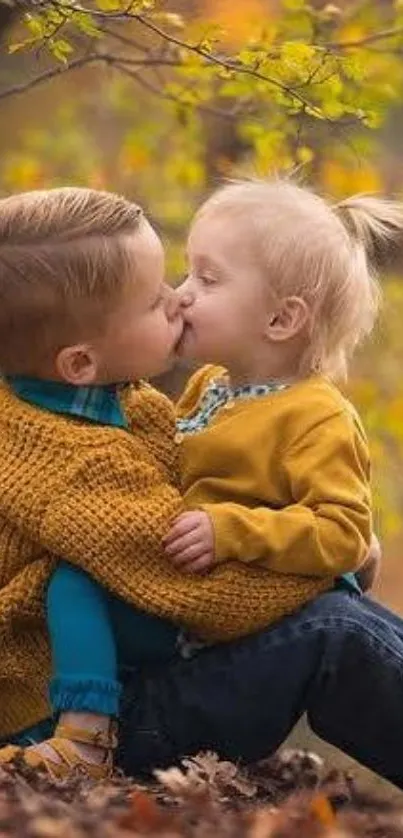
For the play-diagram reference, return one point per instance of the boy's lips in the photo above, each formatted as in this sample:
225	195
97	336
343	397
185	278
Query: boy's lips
179	329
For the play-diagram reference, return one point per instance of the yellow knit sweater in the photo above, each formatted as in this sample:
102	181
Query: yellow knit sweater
102	498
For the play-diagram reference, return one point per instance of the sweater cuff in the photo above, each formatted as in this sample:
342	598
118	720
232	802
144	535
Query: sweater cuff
226	547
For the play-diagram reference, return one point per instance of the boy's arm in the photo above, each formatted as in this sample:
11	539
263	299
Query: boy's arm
327	530
110	519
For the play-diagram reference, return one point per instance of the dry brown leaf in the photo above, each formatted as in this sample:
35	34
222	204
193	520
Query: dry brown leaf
287	796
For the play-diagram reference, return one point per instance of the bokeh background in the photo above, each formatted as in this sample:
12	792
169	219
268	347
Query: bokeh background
314	87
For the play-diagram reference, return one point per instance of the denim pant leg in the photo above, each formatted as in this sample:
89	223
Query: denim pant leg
340	659
358	703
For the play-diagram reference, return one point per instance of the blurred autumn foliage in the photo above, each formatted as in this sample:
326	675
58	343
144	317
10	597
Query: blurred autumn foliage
160	100
293	794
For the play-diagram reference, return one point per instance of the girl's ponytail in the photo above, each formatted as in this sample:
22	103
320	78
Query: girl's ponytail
374	223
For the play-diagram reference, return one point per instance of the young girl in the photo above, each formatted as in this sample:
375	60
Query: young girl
274	461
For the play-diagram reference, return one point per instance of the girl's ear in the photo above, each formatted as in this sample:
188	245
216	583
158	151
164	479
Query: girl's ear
289	319
77	365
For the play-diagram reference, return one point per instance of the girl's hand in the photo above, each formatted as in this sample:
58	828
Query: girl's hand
189	544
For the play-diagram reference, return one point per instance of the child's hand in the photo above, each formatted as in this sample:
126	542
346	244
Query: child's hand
189	544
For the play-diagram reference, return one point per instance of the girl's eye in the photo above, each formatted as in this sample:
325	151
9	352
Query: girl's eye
207	280
157	302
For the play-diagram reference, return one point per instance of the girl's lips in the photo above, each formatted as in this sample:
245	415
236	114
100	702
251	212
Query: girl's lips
181	340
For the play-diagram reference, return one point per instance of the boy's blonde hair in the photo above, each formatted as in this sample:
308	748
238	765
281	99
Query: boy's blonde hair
322	253
63	262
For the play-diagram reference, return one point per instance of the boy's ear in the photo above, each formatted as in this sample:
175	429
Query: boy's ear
77	365
289	319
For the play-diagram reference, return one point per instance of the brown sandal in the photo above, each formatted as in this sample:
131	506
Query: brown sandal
70	759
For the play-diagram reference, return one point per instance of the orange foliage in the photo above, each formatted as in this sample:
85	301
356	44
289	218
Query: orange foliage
238	19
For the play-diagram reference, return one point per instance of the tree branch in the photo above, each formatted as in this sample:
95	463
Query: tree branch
367	40
174	55
227	64
76	64
209	57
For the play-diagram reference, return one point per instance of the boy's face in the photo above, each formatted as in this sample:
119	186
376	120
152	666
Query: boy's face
140	337
225	300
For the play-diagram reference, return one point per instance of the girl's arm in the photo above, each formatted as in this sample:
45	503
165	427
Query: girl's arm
327	529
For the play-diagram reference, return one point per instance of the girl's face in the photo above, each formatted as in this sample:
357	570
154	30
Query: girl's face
225	300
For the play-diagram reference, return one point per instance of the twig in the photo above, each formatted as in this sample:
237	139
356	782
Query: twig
148	85
75	64
368	39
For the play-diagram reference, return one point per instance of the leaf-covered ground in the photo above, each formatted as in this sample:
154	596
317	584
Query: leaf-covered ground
292	795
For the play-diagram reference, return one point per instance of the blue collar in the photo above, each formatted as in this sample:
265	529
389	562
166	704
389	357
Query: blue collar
98	404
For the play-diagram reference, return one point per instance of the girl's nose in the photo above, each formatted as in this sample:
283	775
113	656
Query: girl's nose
185	295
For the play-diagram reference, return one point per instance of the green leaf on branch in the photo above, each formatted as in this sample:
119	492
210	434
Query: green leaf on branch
60	49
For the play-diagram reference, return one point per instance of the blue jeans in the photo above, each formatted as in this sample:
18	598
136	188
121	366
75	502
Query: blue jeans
339	659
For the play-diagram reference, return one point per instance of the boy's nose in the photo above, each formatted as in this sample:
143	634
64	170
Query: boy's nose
172	303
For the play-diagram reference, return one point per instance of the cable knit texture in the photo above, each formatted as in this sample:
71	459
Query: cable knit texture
102	498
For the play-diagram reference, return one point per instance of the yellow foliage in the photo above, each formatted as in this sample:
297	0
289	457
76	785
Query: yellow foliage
304	154
352	32
342	180
394	417
23	173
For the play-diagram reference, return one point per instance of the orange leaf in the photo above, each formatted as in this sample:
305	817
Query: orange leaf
144	815
322	809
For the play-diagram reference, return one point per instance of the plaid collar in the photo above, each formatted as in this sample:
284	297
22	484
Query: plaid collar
98	404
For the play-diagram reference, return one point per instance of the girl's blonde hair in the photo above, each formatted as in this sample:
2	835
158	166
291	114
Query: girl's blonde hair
326	254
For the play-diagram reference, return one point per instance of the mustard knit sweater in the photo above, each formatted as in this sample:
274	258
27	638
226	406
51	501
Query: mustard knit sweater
102	498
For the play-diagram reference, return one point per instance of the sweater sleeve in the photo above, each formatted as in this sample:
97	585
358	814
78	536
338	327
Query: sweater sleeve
110	519
327	529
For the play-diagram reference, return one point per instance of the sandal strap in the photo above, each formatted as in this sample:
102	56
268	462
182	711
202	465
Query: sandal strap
9	753
101	738
69	760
